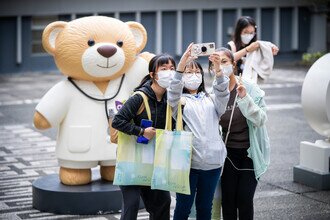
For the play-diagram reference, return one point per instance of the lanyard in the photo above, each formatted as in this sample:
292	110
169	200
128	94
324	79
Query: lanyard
226	139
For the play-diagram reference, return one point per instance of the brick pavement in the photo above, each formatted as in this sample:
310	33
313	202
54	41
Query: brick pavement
25	155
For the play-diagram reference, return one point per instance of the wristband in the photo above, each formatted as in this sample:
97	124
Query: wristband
246	50
141	132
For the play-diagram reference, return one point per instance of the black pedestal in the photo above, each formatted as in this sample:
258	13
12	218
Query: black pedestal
98	197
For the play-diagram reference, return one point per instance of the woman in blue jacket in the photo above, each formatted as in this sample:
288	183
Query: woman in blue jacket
246	139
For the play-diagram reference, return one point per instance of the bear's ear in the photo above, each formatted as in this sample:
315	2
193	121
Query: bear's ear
140	35
50	34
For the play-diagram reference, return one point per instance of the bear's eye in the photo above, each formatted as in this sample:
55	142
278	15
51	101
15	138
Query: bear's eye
120	43
91	43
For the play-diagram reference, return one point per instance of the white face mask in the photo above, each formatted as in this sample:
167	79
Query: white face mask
227	70
164	78
192	80
246	38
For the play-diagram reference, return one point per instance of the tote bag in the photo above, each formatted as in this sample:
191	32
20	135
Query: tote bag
172	156
134	165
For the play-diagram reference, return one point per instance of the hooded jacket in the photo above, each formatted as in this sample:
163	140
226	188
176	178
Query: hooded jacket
201	114
253	108
123	119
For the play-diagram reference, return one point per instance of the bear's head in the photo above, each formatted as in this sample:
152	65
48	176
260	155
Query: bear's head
95	48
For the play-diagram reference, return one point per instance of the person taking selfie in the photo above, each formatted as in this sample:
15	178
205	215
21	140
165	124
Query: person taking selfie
201	114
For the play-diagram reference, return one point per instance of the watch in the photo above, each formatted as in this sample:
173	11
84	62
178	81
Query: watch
141	132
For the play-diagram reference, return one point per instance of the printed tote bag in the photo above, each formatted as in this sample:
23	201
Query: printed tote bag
134	163
172	156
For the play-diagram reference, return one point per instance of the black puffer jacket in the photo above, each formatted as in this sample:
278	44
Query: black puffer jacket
122	120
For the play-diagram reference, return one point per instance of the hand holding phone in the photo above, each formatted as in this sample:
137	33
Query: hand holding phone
203	49
144	124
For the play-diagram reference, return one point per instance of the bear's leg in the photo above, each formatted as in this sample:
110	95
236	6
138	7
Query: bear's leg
107	172
75	177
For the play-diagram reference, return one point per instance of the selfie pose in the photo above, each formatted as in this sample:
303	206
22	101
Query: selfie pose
246	139
161	69
245	41
201	114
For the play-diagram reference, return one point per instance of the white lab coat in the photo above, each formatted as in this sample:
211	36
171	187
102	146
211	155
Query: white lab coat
82	134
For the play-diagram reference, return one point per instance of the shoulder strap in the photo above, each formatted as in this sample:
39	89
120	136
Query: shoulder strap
145	103
232	46
139	112
168	124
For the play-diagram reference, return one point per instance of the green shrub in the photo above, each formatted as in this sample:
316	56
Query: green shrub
310	58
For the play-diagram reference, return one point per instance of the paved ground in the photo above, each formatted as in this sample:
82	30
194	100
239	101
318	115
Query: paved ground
26	154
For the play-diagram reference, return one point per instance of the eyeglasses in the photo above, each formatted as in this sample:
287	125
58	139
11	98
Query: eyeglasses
189	74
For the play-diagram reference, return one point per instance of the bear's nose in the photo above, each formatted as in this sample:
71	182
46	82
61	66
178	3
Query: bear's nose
107	50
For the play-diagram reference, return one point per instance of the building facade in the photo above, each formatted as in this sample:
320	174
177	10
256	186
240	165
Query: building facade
296	26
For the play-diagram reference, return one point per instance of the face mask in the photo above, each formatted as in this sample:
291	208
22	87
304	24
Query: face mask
191	81
165	77
246	38
227	70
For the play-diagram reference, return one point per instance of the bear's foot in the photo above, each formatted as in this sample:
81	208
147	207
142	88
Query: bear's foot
75	177
107	172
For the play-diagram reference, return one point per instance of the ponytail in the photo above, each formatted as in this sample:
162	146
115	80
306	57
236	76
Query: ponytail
143	81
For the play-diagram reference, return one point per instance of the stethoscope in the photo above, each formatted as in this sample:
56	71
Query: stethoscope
100	100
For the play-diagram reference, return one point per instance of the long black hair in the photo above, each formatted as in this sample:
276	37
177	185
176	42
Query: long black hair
201	87
154	63
242	23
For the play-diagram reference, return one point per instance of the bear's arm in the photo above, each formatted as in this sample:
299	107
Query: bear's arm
136	73
40	122
53	107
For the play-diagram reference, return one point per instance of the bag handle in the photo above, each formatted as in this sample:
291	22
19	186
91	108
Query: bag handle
179	124
145	102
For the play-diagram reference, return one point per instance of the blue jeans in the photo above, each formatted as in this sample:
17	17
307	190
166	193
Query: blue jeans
203	184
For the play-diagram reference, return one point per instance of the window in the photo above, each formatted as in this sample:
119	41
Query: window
38	25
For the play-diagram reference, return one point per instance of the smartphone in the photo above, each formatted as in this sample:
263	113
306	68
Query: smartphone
145	123
203	49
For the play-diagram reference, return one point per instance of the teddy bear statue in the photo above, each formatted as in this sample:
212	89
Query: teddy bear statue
102	59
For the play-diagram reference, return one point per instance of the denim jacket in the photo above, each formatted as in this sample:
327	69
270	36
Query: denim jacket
253	108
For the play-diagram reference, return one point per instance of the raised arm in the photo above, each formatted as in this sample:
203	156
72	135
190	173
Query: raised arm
241	53
220	94
174	91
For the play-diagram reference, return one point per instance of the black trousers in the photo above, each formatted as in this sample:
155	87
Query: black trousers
157	202
238	187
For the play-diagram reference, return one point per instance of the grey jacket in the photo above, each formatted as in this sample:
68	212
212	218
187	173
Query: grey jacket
202	113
